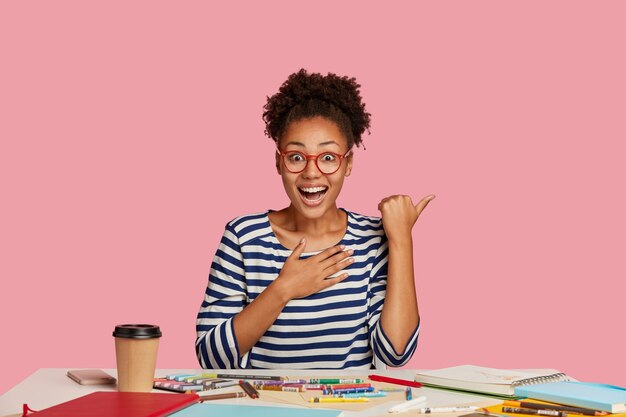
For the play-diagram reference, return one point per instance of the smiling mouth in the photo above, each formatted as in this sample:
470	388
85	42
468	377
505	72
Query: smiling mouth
312	195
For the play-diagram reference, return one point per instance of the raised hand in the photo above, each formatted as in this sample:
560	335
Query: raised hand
399	214
302	277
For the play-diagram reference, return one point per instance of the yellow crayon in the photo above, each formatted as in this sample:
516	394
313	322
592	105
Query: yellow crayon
200	376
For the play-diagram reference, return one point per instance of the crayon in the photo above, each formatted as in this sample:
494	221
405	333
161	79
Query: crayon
249	389
337	400
335	381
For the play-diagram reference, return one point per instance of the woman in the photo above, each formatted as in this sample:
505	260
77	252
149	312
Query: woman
313	286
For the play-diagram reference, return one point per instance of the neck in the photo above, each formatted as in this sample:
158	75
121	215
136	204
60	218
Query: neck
332	220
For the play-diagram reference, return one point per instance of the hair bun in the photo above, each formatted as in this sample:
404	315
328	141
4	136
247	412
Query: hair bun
300	96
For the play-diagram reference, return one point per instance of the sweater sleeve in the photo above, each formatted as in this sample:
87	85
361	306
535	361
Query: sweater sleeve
384	353
225	296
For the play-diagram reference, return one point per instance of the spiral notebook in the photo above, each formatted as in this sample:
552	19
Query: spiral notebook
489	381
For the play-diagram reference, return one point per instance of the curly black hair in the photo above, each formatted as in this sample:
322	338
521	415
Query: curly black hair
305	95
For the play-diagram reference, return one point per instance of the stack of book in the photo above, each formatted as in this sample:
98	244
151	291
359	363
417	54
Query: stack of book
549	393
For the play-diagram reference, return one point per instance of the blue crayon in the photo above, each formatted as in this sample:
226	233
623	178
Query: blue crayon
364	394
349	390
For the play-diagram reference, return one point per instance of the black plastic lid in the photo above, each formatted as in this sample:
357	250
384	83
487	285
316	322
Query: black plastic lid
137	331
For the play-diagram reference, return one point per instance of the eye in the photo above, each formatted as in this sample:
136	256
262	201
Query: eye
327	157
295	157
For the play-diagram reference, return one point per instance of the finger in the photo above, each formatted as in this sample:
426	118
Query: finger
332	281
336	267
383	201
327	253
419	207
298	250
336	258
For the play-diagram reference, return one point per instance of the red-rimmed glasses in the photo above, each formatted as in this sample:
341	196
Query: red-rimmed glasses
327	162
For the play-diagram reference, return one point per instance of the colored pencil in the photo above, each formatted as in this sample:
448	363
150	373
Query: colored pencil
209	397
570	409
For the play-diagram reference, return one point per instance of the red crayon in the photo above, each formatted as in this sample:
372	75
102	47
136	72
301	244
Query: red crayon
397	381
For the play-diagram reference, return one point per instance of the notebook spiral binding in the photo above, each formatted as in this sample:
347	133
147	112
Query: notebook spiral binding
560	376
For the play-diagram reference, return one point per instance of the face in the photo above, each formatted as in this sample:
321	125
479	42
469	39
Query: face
313	193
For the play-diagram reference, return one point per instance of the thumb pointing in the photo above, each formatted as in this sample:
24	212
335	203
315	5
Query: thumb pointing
419	207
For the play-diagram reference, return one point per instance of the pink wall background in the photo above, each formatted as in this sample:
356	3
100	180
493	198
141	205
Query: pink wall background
131	133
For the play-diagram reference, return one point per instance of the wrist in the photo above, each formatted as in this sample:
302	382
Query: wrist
279	292
400	239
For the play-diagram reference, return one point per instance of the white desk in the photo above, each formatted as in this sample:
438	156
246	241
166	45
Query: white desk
50	386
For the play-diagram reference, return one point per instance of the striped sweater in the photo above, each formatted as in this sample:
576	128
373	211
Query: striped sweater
336	328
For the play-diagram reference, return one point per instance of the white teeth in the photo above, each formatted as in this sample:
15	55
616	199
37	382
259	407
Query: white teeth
313	189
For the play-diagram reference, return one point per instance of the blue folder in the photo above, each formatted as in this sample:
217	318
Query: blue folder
602	397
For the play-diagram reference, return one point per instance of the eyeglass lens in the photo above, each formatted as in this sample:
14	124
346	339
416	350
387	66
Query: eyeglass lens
327	163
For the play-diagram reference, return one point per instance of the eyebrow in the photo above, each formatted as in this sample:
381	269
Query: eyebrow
330	142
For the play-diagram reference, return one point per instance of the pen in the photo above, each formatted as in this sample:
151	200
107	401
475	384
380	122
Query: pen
396	381
335	381
172	376
459	409
209	397
274	382
489	413
571	409
303	386
178	377
294	381
201	376
348	386
259	377
212	383
314	386
517	410
408	393
348	390
249	389
174	390
338	400
205	380
405	406
362	394
279	388
169	385
224	384
264	382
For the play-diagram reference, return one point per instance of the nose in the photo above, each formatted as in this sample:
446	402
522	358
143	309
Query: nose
311	170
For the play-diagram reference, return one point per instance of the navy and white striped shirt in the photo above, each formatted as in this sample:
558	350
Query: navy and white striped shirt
336	328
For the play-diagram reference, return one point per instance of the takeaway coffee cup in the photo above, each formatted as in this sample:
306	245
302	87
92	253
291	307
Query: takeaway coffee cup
136	352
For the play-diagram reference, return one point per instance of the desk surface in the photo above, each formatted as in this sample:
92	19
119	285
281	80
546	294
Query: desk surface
50	386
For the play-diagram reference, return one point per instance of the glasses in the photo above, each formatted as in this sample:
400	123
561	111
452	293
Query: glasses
327	162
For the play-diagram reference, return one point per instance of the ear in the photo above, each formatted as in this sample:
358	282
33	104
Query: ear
348	165
277	155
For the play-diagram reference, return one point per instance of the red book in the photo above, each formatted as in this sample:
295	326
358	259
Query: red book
120	404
